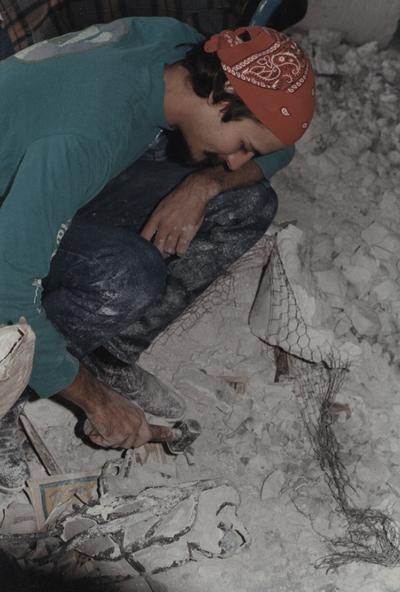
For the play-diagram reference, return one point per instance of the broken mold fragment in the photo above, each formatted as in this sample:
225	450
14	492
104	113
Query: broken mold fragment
76	525
178	521
158	558
136	530
100	547
163	525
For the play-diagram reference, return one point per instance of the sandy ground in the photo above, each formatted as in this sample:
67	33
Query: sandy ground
342	190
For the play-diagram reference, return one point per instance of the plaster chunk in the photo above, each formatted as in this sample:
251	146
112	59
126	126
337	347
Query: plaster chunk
179	519
101	546
364	319
76	526
158	558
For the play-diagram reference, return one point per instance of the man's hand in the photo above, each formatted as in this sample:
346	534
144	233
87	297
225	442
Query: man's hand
117	422
177	218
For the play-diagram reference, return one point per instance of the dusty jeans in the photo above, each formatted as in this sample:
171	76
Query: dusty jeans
109	287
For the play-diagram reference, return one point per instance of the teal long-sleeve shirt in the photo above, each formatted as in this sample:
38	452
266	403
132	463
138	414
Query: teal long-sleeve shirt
75	112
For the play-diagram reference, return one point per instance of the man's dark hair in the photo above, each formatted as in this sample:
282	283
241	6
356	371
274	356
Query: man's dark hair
207	76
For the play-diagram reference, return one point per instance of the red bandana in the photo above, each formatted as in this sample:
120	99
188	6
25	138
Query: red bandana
272	75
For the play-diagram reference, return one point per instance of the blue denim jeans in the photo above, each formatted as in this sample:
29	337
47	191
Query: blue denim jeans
109	287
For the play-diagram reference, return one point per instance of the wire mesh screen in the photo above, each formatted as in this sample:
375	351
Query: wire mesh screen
319	367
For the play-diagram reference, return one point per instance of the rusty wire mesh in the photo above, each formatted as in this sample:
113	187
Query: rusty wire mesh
319	373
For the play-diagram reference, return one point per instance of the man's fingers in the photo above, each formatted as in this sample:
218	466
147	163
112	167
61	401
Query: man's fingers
159	243
168	237
150	228
130	441
95	436
166	243
183	245
144	434
90	430
188	233
139	435
99	440
170	244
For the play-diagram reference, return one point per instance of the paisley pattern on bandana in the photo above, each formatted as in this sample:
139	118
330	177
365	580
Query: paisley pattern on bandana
272	75
280	67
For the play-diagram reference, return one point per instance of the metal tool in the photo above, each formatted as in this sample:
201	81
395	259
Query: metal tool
176	439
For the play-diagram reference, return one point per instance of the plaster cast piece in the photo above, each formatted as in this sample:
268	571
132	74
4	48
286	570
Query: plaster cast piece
17	345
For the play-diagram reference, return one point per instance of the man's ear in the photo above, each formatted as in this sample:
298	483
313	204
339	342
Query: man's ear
228	88
221	105
210	99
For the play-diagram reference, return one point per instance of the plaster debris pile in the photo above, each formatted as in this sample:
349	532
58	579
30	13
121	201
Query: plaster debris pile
345	309
272	440
141	524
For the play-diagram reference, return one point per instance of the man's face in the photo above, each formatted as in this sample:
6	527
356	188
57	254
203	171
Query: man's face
179	151
206	140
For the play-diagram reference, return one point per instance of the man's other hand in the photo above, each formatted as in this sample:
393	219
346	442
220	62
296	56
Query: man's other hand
116	422
176	220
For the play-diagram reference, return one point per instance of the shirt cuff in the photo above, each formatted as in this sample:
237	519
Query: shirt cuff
61	376
275	161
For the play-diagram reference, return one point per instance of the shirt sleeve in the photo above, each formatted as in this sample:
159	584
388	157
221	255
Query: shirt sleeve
275	161
56	176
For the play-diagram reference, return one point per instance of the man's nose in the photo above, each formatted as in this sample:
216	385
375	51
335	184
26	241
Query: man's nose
238	159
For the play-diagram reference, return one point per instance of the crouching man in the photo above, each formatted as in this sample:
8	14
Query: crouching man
104	242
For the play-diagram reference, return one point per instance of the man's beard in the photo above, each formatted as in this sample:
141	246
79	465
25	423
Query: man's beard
178	150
